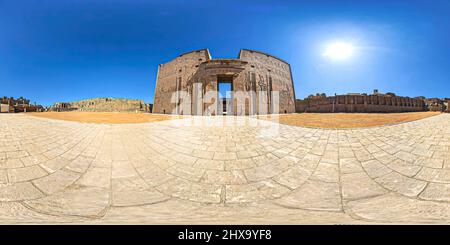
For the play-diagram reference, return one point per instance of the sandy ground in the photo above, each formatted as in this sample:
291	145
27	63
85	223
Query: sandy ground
105	117
321	120
347	120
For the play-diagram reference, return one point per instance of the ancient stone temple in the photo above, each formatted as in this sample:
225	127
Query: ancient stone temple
375	102
259	83
103	105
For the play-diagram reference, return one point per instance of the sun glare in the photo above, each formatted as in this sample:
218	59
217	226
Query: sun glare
339	51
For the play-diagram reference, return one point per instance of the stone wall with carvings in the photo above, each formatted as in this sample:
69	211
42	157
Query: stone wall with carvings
272	74
252	71
174	76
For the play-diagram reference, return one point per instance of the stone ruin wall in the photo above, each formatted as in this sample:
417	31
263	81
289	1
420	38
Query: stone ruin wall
361	103
12	105
436	104
446	105
173	76
251	71
103	105
5	108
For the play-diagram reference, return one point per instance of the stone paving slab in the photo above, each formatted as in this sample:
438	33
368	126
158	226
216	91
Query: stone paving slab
202	170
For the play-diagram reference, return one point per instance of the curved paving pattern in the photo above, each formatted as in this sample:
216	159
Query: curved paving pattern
197	171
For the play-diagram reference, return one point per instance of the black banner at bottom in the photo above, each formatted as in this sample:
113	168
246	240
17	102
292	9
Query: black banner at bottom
225	233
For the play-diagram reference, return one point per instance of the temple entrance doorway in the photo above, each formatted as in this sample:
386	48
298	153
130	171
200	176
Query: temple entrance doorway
225	95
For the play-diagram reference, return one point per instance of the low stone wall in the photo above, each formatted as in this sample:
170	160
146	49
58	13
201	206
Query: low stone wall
360	103
5	108
103	105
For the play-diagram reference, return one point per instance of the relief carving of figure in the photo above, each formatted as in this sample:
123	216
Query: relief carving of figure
262	83
248	83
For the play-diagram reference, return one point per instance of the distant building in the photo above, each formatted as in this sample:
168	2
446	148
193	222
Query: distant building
11	105
356	102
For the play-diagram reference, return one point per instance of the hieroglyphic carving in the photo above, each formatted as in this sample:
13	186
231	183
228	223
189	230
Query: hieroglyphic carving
262	83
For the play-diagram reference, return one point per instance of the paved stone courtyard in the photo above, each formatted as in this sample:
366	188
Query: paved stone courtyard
195	170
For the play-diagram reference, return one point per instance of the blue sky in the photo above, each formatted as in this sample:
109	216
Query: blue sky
65	50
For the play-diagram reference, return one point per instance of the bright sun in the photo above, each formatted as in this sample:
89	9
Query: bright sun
339	51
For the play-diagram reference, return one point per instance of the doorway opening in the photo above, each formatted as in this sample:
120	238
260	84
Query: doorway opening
225	93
